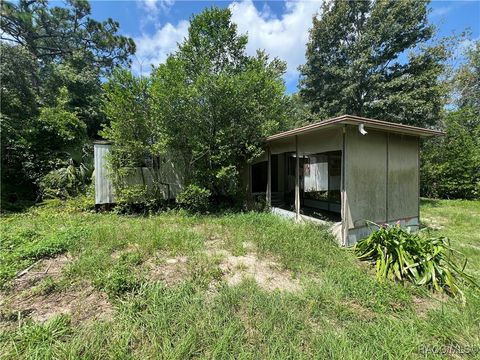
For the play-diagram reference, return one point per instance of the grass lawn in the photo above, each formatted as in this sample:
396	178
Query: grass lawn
245	285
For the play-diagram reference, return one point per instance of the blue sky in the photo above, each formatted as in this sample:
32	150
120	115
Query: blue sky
279	27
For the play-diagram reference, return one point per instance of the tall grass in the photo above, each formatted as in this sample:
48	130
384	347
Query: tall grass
342	311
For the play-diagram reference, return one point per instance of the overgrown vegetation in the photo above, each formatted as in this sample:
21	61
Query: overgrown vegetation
451	164
194	198
210	105
207	108
53	58
424	260
340	309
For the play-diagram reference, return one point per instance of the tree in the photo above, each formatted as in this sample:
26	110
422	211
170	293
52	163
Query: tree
53	59
451	164
209	105
53	33
299	113
131	126
370	58
467	79
18	104
217	103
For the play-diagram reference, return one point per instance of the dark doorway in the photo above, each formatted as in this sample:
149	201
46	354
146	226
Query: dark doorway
260	175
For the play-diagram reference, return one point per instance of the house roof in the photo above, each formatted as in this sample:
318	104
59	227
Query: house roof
357	120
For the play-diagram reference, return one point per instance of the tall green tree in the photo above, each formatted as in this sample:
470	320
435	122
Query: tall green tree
451	164
53	32
372	58
53	59
210	104
467	79
224	103
126	104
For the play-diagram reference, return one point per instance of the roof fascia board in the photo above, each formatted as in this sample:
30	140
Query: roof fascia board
355	120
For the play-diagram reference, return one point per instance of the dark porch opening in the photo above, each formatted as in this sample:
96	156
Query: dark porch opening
319	183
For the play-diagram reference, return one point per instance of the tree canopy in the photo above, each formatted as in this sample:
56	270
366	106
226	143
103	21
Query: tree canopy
53	32
451	164
210	103
53	59
373	58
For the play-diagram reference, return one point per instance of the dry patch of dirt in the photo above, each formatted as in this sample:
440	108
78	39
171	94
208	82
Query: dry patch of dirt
82	302
267	273
51	267
170	271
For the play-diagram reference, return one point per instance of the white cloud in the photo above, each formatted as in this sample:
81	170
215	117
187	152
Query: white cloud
153	50
441	11
153	9
284	36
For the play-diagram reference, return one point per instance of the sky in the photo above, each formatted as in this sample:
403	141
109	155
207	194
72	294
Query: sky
278	27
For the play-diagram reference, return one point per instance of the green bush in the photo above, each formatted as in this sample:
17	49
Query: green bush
119	281
194	198
400	255
64	182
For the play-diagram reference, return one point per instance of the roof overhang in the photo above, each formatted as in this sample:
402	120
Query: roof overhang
357	120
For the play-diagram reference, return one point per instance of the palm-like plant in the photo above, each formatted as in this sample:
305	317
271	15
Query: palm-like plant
400	255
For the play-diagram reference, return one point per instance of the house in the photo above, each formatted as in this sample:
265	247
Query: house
349	170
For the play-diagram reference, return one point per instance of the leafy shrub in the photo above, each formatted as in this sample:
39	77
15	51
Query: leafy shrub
64	182
53	244
194	198
400	255
122	277
259	204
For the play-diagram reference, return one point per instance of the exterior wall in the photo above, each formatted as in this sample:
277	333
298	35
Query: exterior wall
403	177
103	185
381	181
365	177
320	141
172	173
311	143
170	177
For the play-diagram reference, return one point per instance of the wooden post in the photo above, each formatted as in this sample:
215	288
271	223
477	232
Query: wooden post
297	181
269	178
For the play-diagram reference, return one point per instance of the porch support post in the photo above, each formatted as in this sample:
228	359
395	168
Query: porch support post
297	181
269	178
